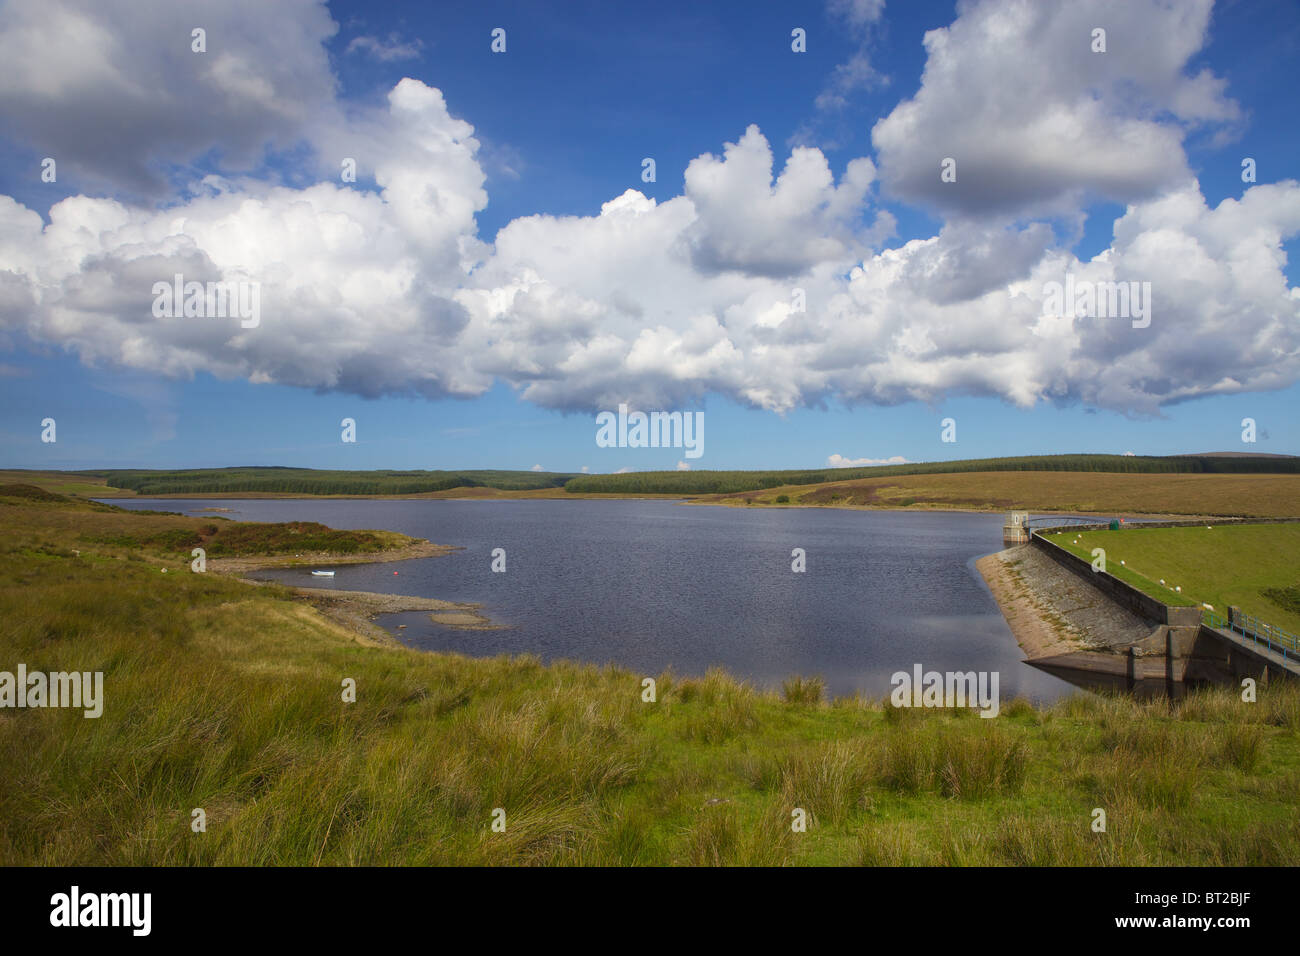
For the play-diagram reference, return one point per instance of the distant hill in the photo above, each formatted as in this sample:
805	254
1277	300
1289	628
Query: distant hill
1239	454
732	482
311	481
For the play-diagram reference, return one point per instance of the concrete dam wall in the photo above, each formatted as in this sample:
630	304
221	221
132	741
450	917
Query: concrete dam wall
1118	636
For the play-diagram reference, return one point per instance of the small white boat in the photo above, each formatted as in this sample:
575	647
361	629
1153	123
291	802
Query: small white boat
323	574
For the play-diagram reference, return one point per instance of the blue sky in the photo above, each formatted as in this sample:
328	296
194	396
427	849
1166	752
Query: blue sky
562	121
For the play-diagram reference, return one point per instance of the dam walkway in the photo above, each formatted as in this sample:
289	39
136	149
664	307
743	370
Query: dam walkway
1271	645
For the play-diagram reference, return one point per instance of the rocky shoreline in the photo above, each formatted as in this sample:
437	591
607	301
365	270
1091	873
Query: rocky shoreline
357	610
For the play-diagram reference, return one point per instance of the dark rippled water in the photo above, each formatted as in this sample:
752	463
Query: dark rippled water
653	584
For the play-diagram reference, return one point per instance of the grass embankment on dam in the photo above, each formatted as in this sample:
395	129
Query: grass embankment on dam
1255	567
226	697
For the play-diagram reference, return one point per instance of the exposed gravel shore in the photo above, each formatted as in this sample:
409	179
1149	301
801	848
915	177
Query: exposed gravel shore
357	610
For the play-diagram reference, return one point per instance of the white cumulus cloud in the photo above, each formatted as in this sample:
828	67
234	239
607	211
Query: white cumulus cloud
766	281
839	461
1036	120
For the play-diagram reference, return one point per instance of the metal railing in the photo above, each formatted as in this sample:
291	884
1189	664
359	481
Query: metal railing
1063	521
1276	639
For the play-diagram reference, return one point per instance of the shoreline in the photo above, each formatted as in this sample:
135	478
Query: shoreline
681	499
1036	634
417	549
545	494
357	610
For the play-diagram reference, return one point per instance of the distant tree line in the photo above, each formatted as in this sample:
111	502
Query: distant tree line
309	481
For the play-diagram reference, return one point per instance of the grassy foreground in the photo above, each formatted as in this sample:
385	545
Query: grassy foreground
227	697
1253	566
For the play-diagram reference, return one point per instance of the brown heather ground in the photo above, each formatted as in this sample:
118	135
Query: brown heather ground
1063	491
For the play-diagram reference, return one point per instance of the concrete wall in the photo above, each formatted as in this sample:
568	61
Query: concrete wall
1242	657
1180	647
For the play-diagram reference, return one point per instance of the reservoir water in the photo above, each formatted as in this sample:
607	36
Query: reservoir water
654	584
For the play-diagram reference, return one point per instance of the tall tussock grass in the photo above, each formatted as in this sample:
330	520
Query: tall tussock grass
829	781
891	844
966	761
1242	746
722	707
720	837
806	691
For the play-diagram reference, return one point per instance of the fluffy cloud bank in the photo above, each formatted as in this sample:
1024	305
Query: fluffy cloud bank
839	461
112	88
1038	122
762	282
